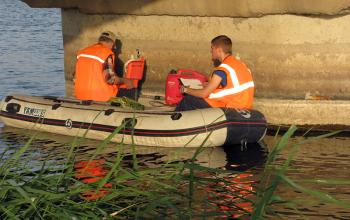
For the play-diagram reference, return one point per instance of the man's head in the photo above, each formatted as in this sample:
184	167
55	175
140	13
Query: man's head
221	46
107	38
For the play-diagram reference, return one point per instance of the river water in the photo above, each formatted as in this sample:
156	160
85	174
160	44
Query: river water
31	62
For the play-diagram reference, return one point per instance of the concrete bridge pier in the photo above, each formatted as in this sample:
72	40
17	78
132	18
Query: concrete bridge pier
293	48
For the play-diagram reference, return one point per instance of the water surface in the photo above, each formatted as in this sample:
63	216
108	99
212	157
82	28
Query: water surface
31	50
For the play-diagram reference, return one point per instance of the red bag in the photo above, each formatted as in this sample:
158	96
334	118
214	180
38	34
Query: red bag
172	89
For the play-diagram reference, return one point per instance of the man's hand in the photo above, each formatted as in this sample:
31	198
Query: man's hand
183	89
209	88
128	83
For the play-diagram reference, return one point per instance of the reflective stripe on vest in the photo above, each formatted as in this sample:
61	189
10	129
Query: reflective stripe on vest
237	87
91	56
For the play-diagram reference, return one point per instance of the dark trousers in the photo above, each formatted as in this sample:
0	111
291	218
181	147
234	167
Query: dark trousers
128	93
190	102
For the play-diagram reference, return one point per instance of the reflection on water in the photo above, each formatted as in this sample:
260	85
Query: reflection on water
92	171
323	159
242	158
327	158
54	149
47	146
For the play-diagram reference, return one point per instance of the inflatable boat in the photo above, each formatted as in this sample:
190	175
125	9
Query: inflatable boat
153	126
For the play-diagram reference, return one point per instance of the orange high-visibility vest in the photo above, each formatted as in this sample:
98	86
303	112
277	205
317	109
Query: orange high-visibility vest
90	83
239	90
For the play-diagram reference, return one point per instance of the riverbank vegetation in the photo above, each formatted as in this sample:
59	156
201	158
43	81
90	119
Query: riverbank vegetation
113	188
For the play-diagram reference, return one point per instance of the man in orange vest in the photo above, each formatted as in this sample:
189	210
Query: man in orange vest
230	86
95	78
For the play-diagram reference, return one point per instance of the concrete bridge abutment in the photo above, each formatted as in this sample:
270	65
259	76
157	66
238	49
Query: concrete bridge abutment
293	48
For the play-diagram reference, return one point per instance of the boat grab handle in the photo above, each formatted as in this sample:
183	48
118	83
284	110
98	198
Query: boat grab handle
56	106
108	112
129	123
13	108
176	116
8	98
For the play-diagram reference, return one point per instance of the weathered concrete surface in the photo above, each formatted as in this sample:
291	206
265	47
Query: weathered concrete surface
289	55
207	8
304	112
293	47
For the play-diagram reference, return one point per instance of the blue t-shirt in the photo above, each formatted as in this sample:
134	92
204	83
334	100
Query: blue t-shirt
223	77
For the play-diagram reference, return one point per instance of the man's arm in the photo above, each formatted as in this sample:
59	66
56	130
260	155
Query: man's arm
127	82
205	92
108	71
112	78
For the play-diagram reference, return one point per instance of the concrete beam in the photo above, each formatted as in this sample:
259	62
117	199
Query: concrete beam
206	8
305	112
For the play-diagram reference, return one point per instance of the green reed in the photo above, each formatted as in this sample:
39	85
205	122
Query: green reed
275	175
170	190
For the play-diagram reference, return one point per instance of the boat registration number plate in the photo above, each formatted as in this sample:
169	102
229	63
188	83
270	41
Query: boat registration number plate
34	112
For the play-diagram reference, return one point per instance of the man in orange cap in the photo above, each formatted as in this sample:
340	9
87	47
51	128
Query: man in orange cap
95	78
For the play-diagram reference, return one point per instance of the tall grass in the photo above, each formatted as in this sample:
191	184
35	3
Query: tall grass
275	175
182	190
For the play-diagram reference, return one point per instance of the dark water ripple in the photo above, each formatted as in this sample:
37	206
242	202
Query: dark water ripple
31	50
